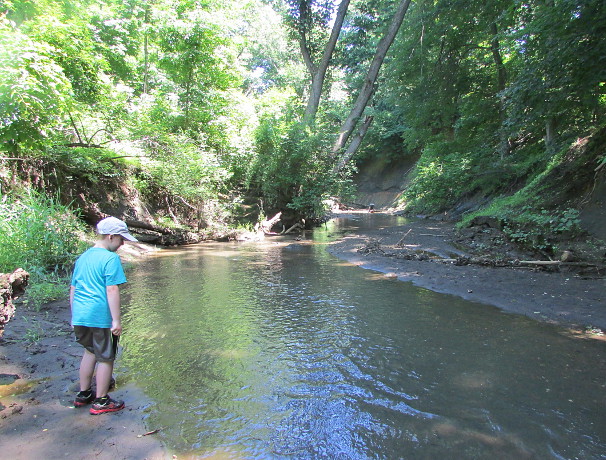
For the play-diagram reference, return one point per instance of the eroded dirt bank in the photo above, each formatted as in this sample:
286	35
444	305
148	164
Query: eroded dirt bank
411	252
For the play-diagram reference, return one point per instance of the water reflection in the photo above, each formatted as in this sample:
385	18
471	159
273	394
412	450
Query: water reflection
281	351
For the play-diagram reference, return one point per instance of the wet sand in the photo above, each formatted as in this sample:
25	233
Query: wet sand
564	297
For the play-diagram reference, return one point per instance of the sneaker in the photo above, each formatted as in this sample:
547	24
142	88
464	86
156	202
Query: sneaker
106	404
84	397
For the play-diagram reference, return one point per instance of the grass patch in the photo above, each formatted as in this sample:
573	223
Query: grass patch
43	237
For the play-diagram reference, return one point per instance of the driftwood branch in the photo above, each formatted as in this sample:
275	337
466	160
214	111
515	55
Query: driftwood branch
186	203
71	118
399	243
84	144
99	131
292	228
267	224
540	262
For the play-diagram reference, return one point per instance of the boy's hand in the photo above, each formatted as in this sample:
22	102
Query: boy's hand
116	328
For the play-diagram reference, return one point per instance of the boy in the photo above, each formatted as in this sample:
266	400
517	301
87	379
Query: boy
95	303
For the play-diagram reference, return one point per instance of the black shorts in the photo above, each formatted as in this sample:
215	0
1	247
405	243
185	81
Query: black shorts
99	341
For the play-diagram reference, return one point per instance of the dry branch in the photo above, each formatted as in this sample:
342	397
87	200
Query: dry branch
399	243
266	225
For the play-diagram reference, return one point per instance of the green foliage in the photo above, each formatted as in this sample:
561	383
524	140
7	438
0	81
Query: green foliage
84	163
539	229
185	168
441	177
203	97
38	234
43	289
34	92
526	218
267	56
559	42
290	168
198	74
34	333
73	49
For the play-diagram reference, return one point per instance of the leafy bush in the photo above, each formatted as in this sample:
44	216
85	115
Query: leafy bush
441	177
540	229
38	234
34	92
292	171
44	289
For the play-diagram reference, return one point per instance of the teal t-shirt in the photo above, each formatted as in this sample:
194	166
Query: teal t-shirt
96	269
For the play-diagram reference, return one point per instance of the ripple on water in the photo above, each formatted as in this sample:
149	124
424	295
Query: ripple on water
278	353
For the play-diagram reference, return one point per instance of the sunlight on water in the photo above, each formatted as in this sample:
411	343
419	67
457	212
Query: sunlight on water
283	351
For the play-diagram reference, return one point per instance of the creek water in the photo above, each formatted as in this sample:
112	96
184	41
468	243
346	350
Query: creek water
280	350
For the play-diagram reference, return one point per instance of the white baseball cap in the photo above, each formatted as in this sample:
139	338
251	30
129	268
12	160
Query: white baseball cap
114	226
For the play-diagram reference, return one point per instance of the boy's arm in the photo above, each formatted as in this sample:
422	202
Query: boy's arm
113	299
72	290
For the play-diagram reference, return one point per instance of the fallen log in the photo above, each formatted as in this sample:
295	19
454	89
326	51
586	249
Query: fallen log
147	226
561	262
12	285
265	226
294	227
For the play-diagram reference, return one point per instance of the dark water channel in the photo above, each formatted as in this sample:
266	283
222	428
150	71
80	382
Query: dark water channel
281	350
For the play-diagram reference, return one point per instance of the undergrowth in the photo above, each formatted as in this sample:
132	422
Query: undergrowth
524	189
43	237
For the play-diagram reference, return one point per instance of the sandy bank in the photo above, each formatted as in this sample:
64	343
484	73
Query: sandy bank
565	298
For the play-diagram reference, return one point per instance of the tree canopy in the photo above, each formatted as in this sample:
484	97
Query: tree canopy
279	100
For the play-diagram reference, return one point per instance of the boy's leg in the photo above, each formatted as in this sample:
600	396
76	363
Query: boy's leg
105	349
104	375
103	403
87	368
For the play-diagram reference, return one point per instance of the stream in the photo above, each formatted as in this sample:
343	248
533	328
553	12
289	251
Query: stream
280	350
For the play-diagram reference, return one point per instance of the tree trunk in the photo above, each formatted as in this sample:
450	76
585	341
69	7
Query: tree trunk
495	47
550	135
369	82
188	87
354	144
146	63
318	74
498	60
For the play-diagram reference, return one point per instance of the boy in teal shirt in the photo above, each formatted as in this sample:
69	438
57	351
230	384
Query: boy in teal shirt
95	303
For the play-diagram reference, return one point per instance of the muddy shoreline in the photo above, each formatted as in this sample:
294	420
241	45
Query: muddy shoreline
563	297
39	359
